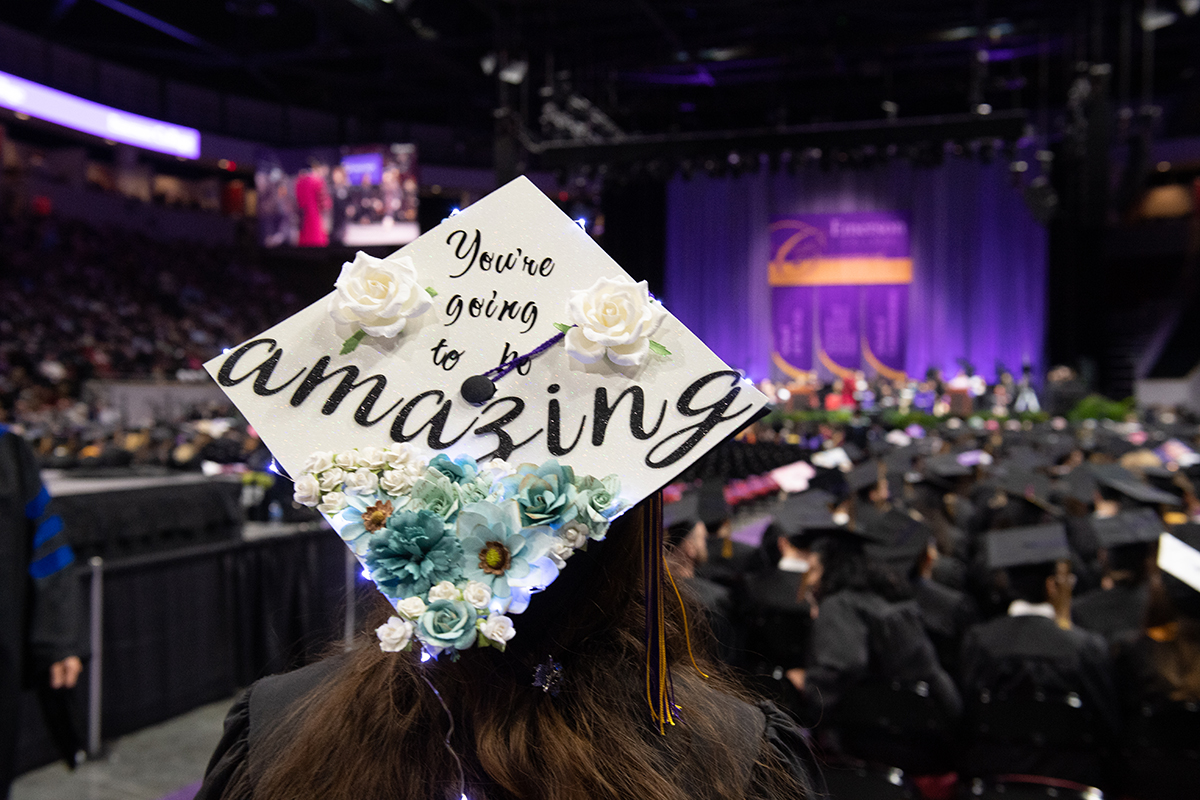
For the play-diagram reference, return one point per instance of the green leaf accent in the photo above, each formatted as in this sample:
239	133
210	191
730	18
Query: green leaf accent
563	328
658	349
431	290
351	343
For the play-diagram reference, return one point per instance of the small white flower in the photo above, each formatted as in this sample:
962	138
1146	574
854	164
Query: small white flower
307	491
477	594
318	462
362	481
395	634
345	460
398	455
411	607
397	481
575	533
444	591
498	629
369	457
499	468
332	503
560	551
614	317
331	479
378	295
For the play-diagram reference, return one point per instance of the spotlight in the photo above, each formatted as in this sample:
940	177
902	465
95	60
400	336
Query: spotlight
983	109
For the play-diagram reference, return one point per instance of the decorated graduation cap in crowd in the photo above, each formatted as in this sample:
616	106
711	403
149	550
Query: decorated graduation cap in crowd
474	408
1179	560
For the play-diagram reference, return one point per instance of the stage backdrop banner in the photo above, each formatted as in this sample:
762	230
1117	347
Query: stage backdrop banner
839	293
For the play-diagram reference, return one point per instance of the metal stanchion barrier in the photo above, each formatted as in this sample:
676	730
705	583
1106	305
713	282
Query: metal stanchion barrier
96	668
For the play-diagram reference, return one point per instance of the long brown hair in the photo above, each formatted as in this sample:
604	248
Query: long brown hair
378	729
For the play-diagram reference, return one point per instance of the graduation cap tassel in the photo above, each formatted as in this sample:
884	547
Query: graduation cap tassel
660	693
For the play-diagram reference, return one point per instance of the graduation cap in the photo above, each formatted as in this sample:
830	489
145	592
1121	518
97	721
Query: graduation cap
806	511
1129	527
686	509
1122	480
711	505
1030	545
864	476
900	540
483	401
1179	560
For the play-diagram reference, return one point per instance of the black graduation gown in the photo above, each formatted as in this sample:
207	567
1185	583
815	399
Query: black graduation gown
947	614
718	605
1011	661
245	747
41	612
728	562
778	629
1112	613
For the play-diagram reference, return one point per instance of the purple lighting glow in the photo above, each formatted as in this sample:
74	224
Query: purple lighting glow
27	97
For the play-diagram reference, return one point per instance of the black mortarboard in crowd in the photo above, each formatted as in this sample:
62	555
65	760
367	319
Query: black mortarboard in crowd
712	507
1031	545
1129	527
902	540
685	509
1119	479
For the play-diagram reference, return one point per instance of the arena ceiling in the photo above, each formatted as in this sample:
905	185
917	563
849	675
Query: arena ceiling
645	67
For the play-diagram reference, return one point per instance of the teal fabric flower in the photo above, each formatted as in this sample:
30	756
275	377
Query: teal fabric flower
598	502
412	553
362	517
477	490
461	470
495	549
448	625
545	495
435	492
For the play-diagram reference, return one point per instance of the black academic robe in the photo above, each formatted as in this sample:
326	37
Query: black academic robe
251	738
1113	613
728	562
947	614
1009	663
718	605
1161	736
41	612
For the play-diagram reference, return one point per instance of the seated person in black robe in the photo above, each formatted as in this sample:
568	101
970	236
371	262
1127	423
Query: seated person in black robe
1158	675
1039	694
1118	607
728	560
686	551
873	679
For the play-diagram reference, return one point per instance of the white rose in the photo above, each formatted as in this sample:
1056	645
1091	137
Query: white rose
318	462
369	457
345	460
499	468
444	591
411	607
560	551
477	594
332	503
394	635
378	295
614	318
575	534
307	491
498	629
331	479
362	481
397	481
398	455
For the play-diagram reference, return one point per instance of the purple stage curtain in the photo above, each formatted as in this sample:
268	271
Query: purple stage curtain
979	259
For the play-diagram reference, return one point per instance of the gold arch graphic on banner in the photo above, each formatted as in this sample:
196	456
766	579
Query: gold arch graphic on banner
896	375
795	373
844	373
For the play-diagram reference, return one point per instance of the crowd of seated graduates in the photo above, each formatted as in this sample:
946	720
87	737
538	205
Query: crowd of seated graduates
973	613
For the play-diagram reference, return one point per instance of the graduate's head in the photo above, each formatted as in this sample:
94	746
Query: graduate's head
1031	558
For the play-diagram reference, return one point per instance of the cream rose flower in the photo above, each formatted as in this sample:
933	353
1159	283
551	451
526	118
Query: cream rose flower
332	503
477	594
498	629
575	534
398	455
395	634
318	462
614	318
378	295
362	481
370	457
411	607
331	479
346	460
444	591
307	491
559	552
397	481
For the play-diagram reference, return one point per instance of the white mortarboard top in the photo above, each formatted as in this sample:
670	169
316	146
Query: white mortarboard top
360	397
1179	559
